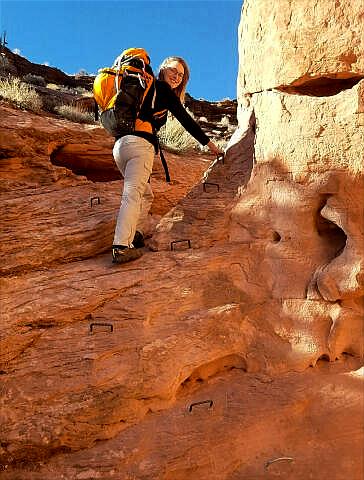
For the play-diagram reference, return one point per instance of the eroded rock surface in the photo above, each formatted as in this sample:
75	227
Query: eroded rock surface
61	190
296	42
238	358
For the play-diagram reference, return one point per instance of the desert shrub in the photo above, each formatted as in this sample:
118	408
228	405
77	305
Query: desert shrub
61	88
53	86
225	121
71	90
34	80
50	103
20	93
6	67
175	138
220	142
83	91
4	63
75	114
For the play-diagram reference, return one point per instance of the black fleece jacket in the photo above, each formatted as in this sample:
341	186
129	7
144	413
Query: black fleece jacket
166	100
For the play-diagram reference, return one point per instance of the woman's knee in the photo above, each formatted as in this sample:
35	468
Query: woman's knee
134	189
148	192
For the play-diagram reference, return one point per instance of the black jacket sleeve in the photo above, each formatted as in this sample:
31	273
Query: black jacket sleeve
174	105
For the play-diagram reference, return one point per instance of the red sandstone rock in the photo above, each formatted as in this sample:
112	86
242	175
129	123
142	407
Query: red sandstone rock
261	320
296	42
60	179
233	438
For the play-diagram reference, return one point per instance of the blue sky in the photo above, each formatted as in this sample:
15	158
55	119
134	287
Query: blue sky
88	34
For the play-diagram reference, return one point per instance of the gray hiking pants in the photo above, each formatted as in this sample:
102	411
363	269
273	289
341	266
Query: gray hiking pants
134	157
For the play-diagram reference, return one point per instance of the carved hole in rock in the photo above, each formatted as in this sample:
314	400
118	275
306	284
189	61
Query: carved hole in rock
348	354
276	237
334	236
212	369
323	358
322	86
93	167
39	325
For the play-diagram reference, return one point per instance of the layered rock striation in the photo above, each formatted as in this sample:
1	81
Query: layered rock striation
233	349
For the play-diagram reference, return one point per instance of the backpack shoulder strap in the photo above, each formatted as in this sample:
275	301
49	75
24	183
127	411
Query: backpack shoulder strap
96	110
154	96
163	160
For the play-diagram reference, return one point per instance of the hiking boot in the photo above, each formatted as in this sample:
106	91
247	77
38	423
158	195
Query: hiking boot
123	254
138	241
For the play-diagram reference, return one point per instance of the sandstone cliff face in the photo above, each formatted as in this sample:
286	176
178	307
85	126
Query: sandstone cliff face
311	169
300	42
238	358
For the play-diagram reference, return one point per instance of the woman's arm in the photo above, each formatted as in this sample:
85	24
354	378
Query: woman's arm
175	106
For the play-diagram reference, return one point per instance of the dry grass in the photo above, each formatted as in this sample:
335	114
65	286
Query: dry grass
174	138
225	121
21	94
83	92
220	142
71	90
75	114
53	86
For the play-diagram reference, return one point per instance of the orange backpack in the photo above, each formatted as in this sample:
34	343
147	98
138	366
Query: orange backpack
125	93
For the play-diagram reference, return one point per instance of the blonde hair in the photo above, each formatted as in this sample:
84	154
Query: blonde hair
181	89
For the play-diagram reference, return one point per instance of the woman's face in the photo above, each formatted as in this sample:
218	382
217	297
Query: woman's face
173	74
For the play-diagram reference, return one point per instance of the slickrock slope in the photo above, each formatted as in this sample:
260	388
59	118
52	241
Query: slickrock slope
61	191
240	358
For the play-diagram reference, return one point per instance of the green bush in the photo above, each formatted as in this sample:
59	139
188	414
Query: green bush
34	80
20	93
